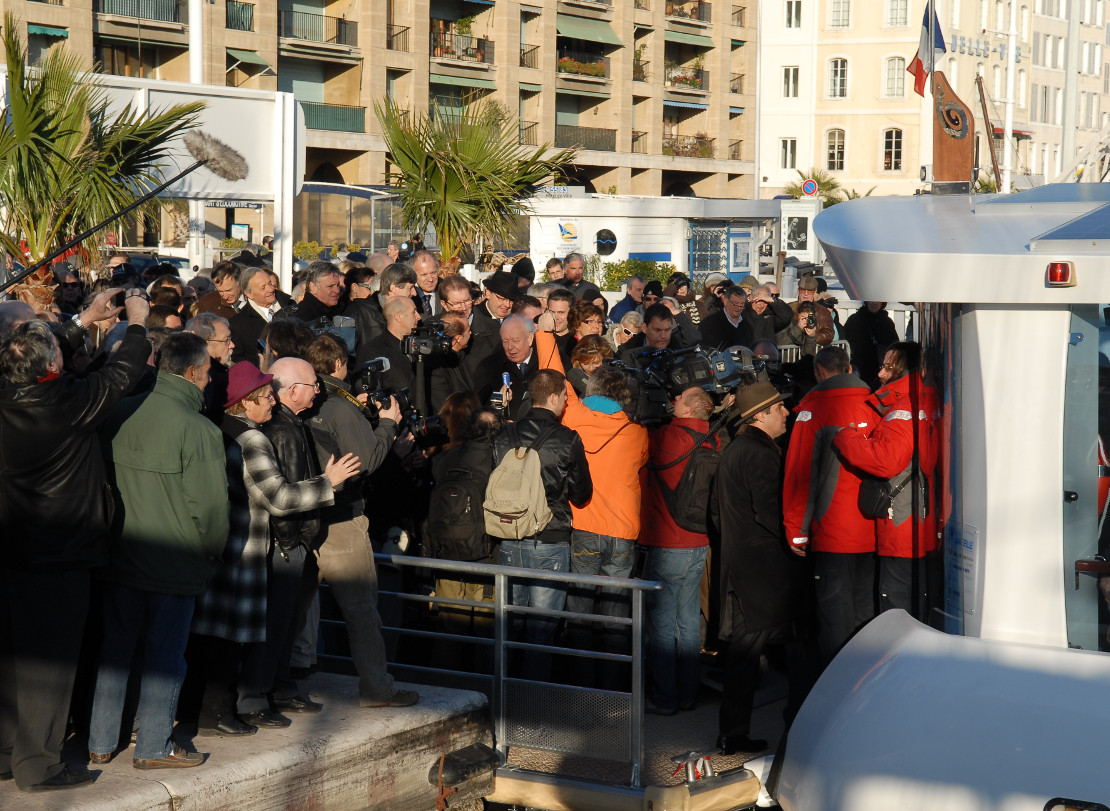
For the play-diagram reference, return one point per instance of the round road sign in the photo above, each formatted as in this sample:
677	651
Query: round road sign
809	187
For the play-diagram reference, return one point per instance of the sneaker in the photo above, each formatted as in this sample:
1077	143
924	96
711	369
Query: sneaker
178	759
402	698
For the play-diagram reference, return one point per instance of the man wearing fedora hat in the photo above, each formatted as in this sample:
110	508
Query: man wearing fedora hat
761	580
485	354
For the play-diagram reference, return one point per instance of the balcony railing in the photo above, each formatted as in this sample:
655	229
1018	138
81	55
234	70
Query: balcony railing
167	11
739	15
49	2
639	70
567	136
581	63
529	56
240	16
529	133
397	37
336	117
639	141
736	83
317	28
688	146
736	150
463	47
690	10
688	78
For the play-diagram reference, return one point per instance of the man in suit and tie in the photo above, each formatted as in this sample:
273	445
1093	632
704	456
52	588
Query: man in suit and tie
518	335
427	278
258	311
485	353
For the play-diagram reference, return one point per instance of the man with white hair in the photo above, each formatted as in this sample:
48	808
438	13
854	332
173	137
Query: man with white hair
259	310
518	335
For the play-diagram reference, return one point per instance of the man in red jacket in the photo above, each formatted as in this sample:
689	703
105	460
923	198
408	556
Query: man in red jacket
820	498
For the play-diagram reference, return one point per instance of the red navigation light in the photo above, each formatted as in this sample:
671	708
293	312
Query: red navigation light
1060	274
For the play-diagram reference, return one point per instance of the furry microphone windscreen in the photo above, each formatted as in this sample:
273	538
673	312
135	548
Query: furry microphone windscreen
221	160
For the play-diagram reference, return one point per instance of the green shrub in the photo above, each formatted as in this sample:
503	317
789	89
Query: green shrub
614	274
307	251
232	244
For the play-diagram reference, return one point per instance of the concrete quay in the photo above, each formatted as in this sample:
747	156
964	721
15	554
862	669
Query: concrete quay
343	758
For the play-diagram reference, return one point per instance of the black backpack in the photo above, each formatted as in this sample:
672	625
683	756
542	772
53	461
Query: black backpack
689	502
456	520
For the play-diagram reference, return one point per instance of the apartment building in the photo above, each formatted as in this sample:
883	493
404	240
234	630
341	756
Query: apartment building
655	94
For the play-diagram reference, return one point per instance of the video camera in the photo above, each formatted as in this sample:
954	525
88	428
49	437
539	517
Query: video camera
341	326
427	339
661	375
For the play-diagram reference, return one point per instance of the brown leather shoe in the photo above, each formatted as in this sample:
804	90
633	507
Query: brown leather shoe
96	757
177	759
402	698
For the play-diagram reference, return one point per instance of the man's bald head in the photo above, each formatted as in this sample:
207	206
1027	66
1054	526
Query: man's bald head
295	381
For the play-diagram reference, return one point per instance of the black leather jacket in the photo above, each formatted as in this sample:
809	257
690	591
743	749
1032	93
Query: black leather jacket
369	320
566	474
55	503
297	458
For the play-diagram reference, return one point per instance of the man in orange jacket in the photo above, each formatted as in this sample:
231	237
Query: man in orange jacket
606	527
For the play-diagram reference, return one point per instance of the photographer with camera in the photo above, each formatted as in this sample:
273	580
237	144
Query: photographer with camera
340	425
401	319
802	333
807	292
452	372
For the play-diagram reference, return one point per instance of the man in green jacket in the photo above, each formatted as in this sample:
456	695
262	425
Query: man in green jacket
172	526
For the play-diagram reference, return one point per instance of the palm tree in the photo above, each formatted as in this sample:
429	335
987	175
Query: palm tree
463	171
828	188
67	161
852	194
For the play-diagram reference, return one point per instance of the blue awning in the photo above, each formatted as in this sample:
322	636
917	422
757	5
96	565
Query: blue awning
658	256
48	31
689	105
735	110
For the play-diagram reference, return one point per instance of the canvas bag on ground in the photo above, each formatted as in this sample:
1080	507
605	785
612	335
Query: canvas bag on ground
516	502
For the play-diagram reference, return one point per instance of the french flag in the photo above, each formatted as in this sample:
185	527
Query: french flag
923	62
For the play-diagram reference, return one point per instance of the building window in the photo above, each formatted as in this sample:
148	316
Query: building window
996	82
1022	86
793	14
122	59
788	153
892	150
954	16
790	83
838	78
841	10
834	160
896	12
896	77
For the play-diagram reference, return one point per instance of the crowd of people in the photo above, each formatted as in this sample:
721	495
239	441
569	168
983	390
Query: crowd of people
182	464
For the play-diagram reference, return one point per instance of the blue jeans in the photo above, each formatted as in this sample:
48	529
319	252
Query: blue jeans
674	624
592	553
549	596
161	623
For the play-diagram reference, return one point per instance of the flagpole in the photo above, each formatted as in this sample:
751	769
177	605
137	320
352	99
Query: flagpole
931	56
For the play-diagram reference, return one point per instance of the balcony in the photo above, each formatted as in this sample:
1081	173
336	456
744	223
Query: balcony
639	142
462	47
529	56
580	63
739	16
397	37
568	136
529	133
240	16
167	11
48	2
688	146
687	78
317	28
337	117
689	10
736	150
640	71
736	83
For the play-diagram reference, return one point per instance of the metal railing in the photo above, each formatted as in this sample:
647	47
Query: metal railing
529	133
688	78
639	70
688	146
574	720
639	141
582	63
739	14
529	56
690	10
602	140
736	83
48	2
338	117
240	16
736	150
463	47
317	28
397	37
169	11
